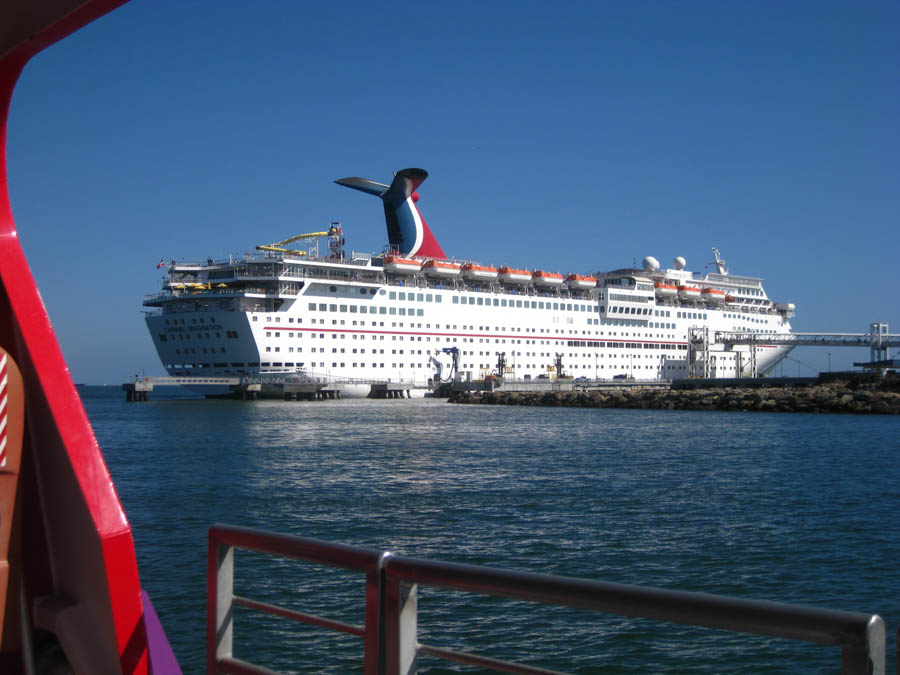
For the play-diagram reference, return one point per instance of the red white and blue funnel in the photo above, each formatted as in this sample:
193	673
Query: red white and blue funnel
408	232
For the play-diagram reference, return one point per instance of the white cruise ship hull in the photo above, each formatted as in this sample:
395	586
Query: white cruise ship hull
368	320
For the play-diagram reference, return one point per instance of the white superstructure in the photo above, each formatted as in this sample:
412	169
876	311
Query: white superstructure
355	317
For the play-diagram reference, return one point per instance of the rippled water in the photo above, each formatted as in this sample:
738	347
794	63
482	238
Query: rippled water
795	508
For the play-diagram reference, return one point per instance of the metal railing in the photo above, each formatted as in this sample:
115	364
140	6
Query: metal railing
809	339
390	644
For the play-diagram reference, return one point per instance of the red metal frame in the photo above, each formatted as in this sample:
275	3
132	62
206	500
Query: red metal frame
78	553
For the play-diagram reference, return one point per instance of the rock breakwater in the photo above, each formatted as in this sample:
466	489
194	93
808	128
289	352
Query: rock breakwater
830	397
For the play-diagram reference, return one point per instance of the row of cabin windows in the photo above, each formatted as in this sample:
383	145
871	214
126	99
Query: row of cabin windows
382	310
176	322
413	297
230	334
362	309
617	309
524	304
744	317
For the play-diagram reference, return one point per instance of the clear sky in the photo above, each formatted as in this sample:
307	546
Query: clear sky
567	136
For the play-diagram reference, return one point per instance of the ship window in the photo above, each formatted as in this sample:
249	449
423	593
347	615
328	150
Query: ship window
420	312
382	310
437	298
455	300
344	308
255	318
393	310
353	309
428	298
420	297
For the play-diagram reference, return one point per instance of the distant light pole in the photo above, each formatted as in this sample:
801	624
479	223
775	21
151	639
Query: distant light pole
829	362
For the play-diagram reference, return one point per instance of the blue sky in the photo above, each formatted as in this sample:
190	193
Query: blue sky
567	136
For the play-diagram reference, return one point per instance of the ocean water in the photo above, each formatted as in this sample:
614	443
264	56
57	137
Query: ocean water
794	508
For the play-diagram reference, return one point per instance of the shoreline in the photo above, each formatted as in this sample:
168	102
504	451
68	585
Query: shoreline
853	395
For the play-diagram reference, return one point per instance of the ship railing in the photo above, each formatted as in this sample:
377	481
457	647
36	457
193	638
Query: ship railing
389	633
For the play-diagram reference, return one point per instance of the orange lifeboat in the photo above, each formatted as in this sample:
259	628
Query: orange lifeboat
580	282
398	265
664	290
713	295
479	272
441	269
689	292
510	275
542	278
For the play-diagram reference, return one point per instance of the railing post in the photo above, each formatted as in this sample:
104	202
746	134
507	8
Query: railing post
219	603
400	627
867	659
373	650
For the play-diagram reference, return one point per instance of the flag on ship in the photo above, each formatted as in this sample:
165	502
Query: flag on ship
161	263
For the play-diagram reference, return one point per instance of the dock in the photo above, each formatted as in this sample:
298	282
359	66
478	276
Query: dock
287	387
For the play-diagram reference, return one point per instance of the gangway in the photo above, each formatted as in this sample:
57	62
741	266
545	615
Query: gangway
878	339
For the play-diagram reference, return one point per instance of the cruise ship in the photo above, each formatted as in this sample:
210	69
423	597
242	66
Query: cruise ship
412	314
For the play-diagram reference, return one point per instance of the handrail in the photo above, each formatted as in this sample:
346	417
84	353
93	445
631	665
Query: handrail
849	630
220	598
391	605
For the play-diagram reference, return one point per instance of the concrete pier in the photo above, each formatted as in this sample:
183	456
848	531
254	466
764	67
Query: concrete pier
390	390
136	392
290	388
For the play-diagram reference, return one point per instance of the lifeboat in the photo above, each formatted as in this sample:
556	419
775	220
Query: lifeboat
398	265
510	275
542	278
664	290
688	292
440	269
580	282
479	272
713	295
731	300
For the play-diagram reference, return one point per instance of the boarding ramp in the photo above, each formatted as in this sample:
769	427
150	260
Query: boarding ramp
389	635
878	339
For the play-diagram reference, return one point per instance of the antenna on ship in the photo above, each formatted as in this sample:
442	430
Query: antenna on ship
719	263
